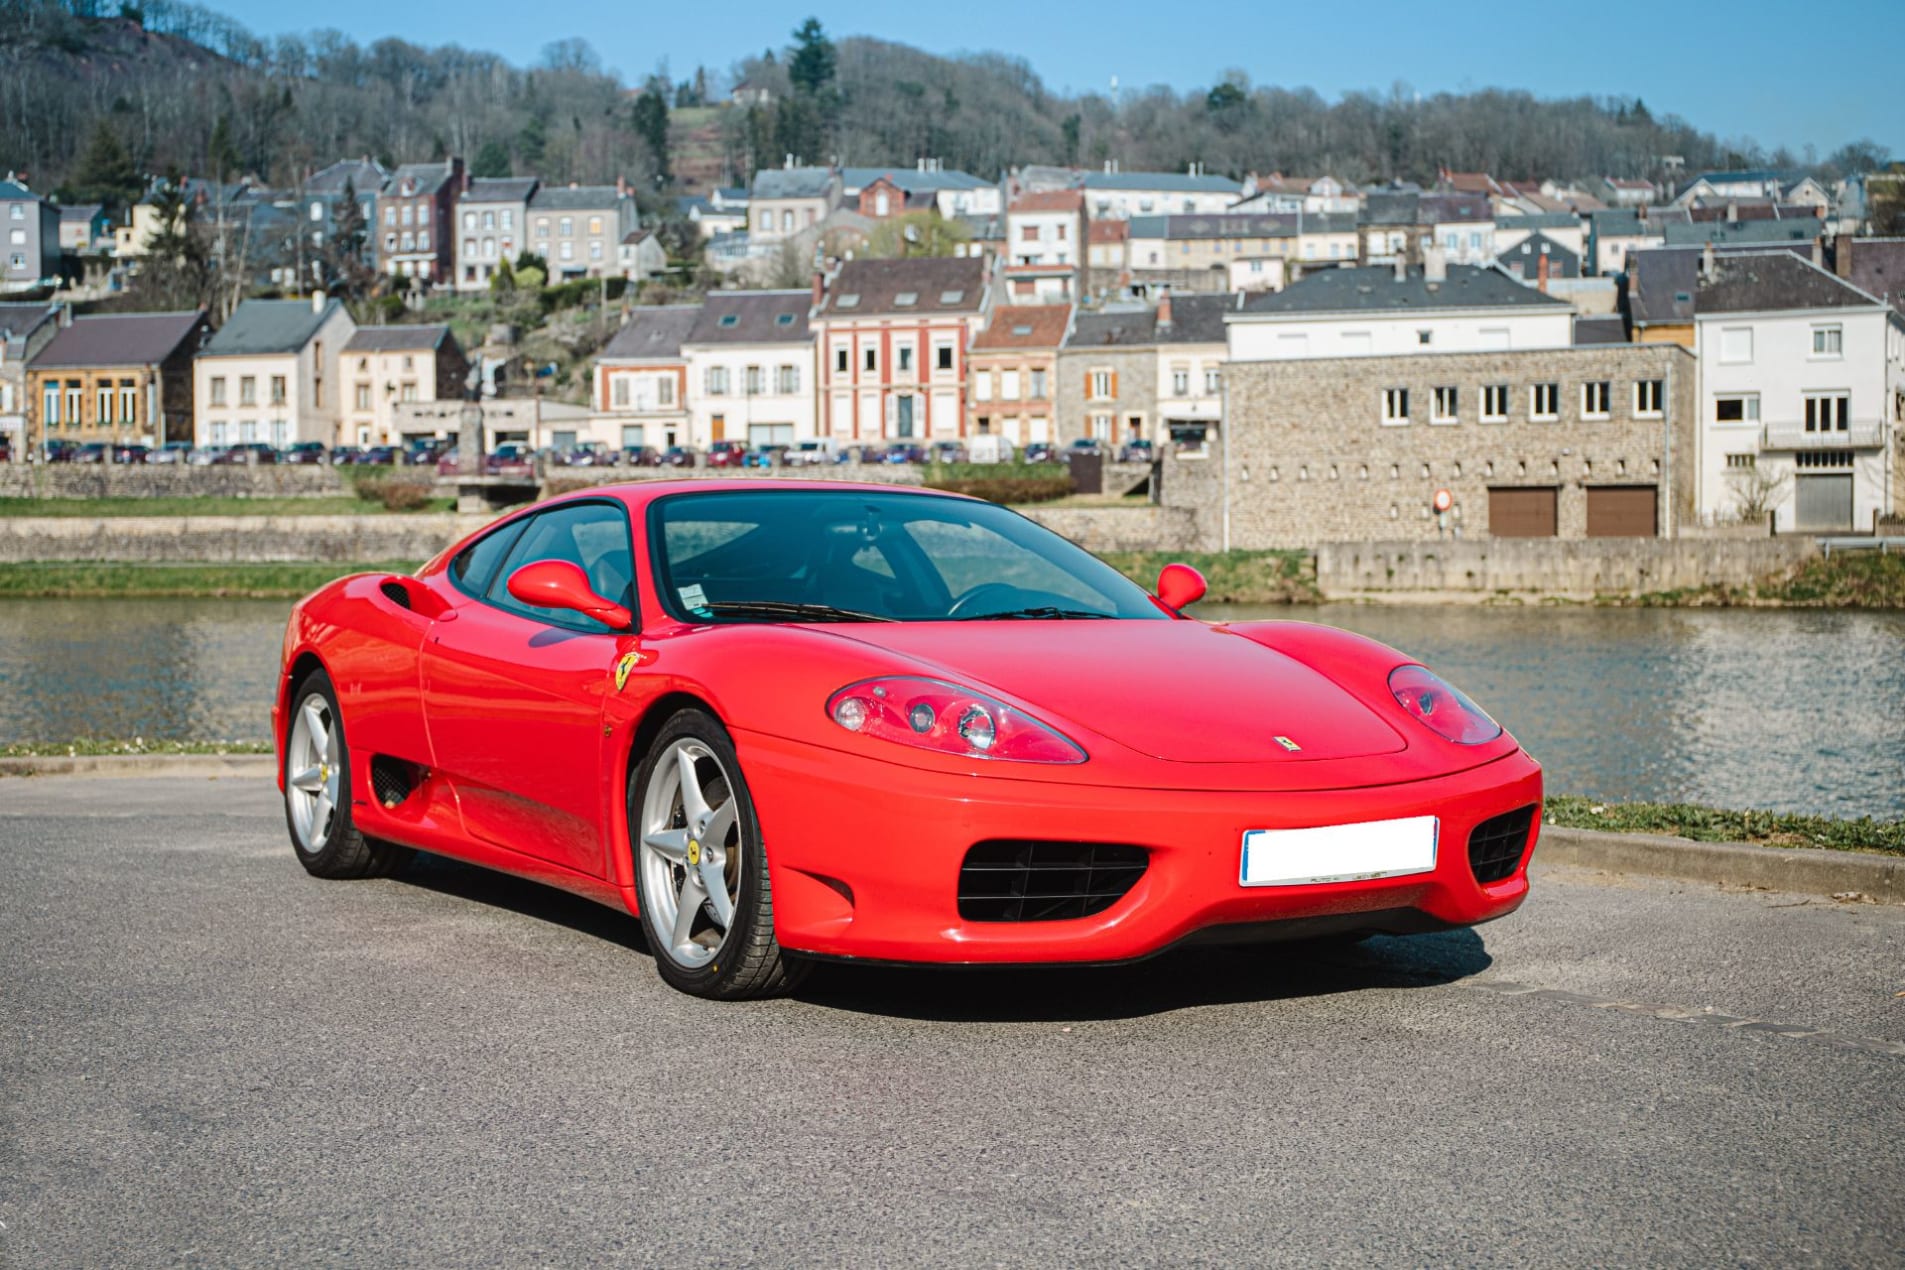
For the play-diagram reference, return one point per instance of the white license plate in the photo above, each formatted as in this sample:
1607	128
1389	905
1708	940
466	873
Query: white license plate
1339	853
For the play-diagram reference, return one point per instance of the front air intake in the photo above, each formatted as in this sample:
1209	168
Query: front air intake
392	779
1011	880
1496	846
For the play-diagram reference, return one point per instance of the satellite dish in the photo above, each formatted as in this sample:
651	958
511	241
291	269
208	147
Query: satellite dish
911	234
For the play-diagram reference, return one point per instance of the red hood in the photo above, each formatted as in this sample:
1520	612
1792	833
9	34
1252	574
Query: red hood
1181	691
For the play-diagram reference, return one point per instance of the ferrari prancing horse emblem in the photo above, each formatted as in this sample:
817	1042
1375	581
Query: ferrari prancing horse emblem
628	662
1284	741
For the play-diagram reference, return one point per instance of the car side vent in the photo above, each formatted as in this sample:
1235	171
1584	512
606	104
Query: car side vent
1011	880
396	594
392	779
1495	847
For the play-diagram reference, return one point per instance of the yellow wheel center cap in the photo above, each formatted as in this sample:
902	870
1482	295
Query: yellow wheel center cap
694	852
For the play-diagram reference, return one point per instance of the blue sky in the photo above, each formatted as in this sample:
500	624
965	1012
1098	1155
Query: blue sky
1778	73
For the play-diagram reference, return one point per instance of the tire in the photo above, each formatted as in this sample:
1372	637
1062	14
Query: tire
317	791
684	848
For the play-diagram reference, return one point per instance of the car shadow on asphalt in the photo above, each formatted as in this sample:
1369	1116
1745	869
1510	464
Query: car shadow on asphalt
520	895
1174	980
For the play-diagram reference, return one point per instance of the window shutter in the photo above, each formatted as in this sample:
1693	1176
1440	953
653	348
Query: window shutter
1114	385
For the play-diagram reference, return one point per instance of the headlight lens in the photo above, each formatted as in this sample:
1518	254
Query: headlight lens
1441	707
931	714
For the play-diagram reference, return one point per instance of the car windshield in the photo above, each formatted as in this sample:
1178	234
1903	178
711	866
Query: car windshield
844	555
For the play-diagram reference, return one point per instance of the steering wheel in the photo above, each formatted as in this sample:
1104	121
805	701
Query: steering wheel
1004	595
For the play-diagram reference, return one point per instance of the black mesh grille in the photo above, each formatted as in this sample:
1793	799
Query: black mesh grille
1016	881
392	779
1495	848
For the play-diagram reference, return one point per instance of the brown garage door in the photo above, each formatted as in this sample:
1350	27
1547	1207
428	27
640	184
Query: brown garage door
1622	511
1522	512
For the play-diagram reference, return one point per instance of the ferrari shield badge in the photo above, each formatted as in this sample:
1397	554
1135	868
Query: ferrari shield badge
627	663
1284	741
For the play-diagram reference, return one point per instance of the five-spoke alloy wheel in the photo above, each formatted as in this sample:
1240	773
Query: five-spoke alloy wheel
317	791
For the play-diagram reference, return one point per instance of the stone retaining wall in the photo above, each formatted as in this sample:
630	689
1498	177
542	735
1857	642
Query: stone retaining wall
229	539
167	480
1581	568
1143	528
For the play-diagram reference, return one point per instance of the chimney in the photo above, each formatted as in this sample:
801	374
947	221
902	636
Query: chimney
1402	267
1842	256
1732	213
1164	310
820	287
1435	265
1818	254
1541	276
1706	261
318	300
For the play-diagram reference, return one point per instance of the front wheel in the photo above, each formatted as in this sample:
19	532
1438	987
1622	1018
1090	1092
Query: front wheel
701	878
317	791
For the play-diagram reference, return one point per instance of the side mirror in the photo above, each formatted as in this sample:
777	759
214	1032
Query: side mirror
1178	585
557	584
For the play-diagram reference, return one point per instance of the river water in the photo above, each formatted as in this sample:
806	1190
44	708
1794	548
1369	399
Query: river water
1786	710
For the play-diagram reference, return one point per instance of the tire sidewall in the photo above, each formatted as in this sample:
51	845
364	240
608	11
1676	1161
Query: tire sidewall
708	980
318	683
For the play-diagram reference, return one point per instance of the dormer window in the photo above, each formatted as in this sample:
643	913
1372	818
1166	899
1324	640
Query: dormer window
951	297
906	299
783	319
849	301
729	319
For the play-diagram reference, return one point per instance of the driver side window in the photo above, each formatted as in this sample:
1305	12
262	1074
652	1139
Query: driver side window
595	538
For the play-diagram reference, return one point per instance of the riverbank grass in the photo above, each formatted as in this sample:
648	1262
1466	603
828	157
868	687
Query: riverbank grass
281	581
1712	824
357	504
92	747
1234	577
1843	580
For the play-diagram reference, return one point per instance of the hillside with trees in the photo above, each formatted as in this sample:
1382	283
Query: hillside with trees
94	97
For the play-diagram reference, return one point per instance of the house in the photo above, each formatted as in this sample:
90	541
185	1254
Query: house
25	329
1770	232
579	229
532	422
749	94
1196	253
640	384
492	221
1390	226
927	186
1117	195
1046	246
1875	266
1614	235
784	201
1563	228
750	368
321	195
722	212
1462	225
1383	311
1801	376
211	203
84	227
1012	371
1568	442
1624	192
120	377
32	227
1146	375
893	337
385	367
416	220
1313	195
271	374
1538	258
641	256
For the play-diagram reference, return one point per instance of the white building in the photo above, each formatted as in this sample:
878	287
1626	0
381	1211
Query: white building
1387	311
640	388
270	374
1045	247
1801	379
750	369
1115	195
491	219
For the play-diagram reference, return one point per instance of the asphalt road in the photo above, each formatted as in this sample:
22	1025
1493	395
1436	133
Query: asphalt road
209	1058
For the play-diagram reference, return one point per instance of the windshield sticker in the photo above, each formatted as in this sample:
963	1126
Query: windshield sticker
693	597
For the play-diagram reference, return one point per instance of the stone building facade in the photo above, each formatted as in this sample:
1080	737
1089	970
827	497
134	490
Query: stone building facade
1568	443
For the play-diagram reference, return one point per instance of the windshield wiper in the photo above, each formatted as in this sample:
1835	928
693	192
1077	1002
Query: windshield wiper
1038	613
788	610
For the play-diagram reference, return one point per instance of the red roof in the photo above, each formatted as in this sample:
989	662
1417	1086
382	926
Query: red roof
1108	231
1025	326
1050	201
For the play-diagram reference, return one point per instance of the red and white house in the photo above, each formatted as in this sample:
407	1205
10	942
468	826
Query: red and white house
1045	247
893	336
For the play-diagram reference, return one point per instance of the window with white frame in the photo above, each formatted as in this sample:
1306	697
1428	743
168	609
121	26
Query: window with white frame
1008	385
218	390
1443	404
1101	427
1597	397
756	381
1736	408
1099	385
1828	341
1213	381
665	390
715	380
842	359
1650	398
1395	406
618	391
1544	402
787	380
1494	403
104	404
128	401
1827	412
905	355
1180	381
1036	391
1741	462
870	359
942	357
1736	344
982	386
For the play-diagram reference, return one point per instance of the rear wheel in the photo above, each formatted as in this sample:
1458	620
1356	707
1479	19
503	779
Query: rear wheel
317	791
700	868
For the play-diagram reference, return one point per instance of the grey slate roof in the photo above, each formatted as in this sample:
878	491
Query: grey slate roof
1600	330
15	190
911	180
1390	208
500	189
953	284
791	183
1195	319
1619	223
79	213
415	337
1374	289
362	175
1746	231
1878	266
655	332
118	339
752	317
580	198
429	178
1772	281
1168	182
262	327
1235	225
1447	209
1563	261
18	321
1539	220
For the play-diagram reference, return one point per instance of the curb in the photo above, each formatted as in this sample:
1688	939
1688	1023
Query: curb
255	766
1806	870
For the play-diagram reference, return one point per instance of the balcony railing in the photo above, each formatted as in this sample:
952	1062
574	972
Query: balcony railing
1794	436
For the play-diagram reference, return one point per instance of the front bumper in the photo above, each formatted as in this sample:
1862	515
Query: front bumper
864	857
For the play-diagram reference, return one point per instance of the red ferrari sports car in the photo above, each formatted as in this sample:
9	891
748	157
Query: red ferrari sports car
782	720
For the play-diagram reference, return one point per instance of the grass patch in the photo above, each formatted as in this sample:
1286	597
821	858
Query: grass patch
360	504
93	747
1235	577
1710	824
1005	489
205	581
1844	580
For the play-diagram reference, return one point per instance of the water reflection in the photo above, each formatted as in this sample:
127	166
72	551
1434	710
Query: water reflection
1785	710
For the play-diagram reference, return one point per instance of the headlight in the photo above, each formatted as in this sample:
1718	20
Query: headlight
1440	706
931	714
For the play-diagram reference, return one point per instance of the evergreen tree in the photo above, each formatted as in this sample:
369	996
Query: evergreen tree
105	173
491	161
651	124
812	65
222	153
347	274
176	270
